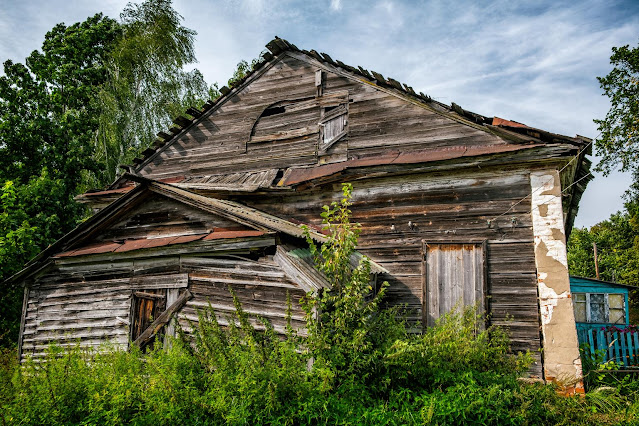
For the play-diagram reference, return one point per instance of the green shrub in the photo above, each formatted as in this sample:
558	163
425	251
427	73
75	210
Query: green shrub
358	365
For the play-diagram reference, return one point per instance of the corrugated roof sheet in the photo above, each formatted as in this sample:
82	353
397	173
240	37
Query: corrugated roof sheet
304	174
244	182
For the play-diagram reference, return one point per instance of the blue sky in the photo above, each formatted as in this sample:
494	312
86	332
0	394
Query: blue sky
533	62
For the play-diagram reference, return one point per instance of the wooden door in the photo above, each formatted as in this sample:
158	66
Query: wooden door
454	275
147	306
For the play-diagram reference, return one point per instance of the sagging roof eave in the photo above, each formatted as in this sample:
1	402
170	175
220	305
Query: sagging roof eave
252	218
580	179
440	161
229	209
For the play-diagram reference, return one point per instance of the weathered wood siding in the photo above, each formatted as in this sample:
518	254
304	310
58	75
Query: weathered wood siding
159	216
398	213
377	121
444	208
260	285
87	300
453	277
90	303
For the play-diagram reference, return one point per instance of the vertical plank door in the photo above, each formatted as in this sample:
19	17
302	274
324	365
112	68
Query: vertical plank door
454	277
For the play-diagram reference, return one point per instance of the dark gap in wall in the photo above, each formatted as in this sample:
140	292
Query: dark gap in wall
273	111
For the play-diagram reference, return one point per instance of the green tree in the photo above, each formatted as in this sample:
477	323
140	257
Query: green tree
347	332
147	85
48	113
93	96
617	240
618	143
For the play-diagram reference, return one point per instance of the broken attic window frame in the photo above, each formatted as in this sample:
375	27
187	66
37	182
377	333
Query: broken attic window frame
273	110
333	126
278	108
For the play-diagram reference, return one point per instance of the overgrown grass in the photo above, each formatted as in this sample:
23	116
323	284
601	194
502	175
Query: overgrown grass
452	374
357	364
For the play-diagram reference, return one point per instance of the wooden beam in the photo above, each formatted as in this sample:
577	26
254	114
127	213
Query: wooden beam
163	319
299	271
288	134
146	295
25	302
237	212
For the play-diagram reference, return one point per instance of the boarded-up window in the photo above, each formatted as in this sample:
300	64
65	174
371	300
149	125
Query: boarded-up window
454	276
333	126
147	306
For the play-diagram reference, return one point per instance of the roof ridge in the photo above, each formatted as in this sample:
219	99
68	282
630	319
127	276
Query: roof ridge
276	47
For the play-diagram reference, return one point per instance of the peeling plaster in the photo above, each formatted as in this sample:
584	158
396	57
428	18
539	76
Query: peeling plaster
577	364
547	215
560	344
543	210
548	300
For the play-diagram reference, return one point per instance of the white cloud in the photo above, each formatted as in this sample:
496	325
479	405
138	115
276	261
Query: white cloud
534	62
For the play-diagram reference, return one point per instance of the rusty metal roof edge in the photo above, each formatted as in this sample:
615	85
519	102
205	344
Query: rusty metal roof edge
325	170
154	243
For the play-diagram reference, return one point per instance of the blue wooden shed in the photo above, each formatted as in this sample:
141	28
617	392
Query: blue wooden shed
599	305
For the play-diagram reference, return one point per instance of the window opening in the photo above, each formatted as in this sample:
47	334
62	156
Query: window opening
333	126
147	306
273	111
599	307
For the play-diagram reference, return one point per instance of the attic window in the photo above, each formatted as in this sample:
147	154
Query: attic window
333	126
289	119
273	111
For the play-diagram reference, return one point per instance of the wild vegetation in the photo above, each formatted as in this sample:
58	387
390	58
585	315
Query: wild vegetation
356	364
65	125
617	238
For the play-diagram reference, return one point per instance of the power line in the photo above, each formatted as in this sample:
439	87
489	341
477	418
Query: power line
490	221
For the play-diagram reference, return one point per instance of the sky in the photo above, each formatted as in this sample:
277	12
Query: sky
534	62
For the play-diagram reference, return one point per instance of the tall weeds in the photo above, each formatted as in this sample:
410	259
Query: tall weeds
356	364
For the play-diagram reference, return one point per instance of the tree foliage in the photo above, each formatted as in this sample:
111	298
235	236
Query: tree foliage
48	119
617	240
618	143
348	367
92	97
344	324
147	85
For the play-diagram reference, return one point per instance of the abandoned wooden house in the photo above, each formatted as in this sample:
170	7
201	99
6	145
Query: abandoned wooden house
454	207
